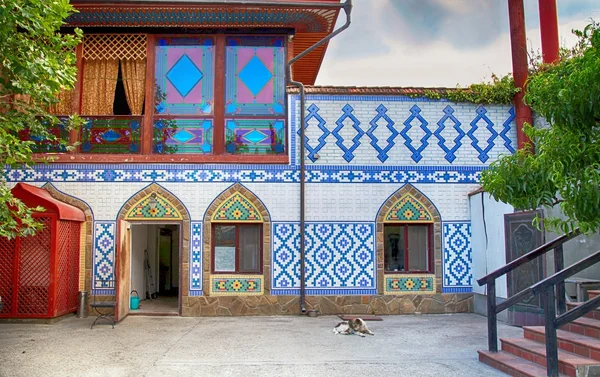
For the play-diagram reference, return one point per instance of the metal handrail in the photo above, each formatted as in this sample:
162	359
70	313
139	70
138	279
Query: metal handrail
553	298
528	257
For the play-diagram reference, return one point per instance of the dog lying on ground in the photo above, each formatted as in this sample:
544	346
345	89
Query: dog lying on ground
354	326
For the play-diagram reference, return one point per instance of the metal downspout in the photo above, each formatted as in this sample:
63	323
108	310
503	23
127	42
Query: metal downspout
347	6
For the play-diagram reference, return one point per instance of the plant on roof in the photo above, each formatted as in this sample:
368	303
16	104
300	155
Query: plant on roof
37	63
564	170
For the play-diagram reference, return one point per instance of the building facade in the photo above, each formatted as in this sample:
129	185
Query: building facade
188	169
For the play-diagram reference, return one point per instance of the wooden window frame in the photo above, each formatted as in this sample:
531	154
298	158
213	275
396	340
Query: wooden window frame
405	226
237	249
146	154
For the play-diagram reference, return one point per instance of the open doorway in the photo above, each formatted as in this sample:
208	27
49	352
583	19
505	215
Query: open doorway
155	268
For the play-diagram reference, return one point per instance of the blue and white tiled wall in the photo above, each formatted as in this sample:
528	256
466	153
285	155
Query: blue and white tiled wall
367	148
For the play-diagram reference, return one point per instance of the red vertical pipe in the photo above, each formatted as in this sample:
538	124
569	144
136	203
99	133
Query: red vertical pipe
518	45
549	30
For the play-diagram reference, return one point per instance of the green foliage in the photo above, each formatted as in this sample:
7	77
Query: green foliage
36	64
565	168
498	91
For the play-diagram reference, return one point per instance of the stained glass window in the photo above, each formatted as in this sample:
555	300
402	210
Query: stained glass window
185	70
111	135
255	95
183	136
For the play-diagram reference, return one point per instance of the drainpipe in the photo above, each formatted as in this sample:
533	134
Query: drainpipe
347	6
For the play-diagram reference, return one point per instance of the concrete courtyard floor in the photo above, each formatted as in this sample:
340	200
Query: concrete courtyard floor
425	345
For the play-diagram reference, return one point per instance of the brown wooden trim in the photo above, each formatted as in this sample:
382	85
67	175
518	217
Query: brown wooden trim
98	158
147	124
430	248
237	249
219	104
74	134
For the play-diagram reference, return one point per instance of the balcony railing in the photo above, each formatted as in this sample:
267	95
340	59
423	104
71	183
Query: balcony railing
111	134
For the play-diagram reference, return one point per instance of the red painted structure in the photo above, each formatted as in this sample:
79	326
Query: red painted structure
518	45
39	275
549	30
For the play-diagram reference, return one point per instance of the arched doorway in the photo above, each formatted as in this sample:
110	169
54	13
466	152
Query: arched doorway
151	257
409	244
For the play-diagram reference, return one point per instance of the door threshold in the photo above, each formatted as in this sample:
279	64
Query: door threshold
154	314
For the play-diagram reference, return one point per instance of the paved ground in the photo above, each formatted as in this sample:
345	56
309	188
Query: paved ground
427	345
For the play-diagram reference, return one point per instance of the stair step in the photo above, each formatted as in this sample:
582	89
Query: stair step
593	293
512	365
582	345
594	314
584	326
530	350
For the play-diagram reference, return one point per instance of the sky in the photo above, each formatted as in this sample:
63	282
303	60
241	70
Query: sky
436	43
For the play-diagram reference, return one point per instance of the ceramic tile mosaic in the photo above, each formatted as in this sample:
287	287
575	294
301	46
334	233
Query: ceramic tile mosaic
104	257
409	284
161	210
237	208
457	258
408	209
340	258
196	258
236	285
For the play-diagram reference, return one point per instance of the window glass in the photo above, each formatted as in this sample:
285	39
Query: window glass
417	248
255	95
249	248
185	91
394	247
225	248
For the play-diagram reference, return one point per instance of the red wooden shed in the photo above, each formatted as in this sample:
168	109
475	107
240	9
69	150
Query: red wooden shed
39	275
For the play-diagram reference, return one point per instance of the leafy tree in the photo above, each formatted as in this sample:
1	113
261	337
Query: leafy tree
37	62
564	169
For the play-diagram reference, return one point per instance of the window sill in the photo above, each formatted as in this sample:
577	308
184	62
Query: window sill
407	272
140	159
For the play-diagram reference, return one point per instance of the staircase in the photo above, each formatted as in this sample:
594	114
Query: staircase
578	343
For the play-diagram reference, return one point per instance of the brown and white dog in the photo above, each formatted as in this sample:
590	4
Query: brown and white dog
354	326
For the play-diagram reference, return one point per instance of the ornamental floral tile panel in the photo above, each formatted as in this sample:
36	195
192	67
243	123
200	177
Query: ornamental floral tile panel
408	209
104	256
403	284
340	258
236	285
237	208
185	69
255	76
457	260
153	207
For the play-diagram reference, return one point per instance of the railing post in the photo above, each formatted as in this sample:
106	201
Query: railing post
491	316
559	265
551	341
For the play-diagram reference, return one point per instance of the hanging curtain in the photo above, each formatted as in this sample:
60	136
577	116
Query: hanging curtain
134	81
64	106
99	84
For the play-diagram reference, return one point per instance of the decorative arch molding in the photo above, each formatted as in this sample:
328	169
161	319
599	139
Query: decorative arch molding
237	208
409	205
153	206
235	198
408	209
86	242
165	200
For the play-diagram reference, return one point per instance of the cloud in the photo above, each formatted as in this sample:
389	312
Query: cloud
365	35
468	24
436	42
